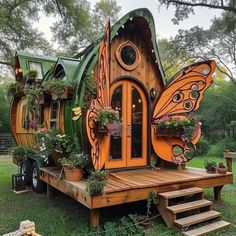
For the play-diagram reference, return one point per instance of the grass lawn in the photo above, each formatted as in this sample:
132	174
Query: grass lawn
64	216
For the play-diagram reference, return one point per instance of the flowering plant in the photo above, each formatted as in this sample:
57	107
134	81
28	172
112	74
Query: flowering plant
106	115
186	124
52	140
76	159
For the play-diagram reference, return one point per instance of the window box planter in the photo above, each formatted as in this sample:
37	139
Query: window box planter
162	132
65	93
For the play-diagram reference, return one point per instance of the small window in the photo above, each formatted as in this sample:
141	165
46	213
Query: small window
128	56
36	66
55	108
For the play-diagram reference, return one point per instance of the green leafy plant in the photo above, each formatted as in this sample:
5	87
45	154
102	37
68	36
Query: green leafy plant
152	199
96	182
90	91
20	153
75	159
210	166
31	74
106	115
57	86
13	89
127	225
52	140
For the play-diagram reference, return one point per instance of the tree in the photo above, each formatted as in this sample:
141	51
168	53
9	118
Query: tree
173	59
16	31
4	105
74	30
218	111
217	43
74	27
186	7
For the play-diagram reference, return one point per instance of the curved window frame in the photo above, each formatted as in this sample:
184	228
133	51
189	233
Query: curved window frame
119	59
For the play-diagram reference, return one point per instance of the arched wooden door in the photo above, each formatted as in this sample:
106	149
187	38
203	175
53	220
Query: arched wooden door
130	149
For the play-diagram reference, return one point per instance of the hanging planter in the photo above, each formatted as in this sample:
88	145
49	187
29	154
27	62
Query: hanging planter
108	121
62	94
162	132
59	89
31	76
15	89
177	126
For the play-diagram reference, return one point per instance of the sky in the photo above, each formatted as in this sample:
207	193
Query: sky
162	16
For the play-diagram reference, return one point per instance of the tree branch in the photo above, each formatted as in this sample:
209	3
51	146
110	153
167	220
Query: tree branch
221	7
6	63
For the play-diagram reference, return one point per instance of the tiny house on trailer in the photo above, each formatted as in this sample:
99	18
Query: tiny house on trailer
122	70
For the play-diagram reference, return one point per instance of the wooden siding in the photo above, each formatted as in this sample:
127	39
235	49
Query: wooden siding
146	72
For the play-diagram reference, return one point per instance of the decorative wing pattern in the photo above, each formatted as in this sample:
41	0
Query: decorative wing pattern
182	95
103	99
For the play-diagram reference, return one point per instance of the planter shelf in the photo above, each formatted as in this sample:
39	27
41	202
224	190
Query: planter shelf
162	132
65	94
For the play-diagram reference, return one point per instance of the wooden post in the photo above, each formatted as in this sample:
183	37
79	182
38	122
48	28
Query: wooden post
50	191
217	190
229	164
94	217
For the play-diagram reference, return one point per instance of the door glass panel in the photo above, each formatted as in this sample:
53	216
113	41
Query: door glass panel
116	141
137	120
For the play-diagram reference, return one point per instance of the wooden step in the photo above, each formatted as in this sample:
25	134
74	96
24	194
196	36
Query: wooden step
181	193
194	219
207	228
189	206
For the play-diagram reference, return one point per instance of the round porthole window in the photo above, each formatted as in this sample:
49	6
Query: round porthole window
127	54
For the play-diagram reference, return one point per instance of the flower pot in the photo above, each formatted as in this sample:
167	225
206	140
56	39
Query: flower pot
41	98
162	132
211	171
222	170
56	156
18	159
95	187
144	222
74	174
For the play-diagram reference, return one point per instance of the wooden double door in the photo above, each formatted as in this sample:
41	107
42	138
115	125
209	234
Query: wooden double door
130	149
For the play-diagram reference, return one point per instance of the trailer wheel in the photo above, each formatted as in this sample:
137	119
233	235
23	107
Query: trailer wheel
37	185
25	170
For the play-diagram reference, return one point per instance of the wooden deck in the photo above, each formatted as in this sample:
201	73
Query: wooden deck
135	185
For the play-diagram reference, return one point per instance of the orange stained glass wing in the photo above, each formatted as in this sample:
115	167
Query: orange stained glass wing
181	95
97	140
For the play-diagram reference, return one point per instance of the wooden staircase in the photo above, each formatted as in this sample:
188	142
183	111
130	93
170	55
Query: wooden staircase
187	210
6	142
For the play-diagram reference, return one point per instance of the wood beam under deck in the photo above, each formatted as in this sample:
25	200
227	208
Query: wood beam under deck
134	185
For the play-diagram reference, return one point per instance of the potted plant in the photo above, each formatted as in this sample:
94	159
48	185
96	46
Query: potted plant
210	166
35	94
221	169
52	143
177	126
96	182
20	153
14	89
108	120
73	165
59	89
31	75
